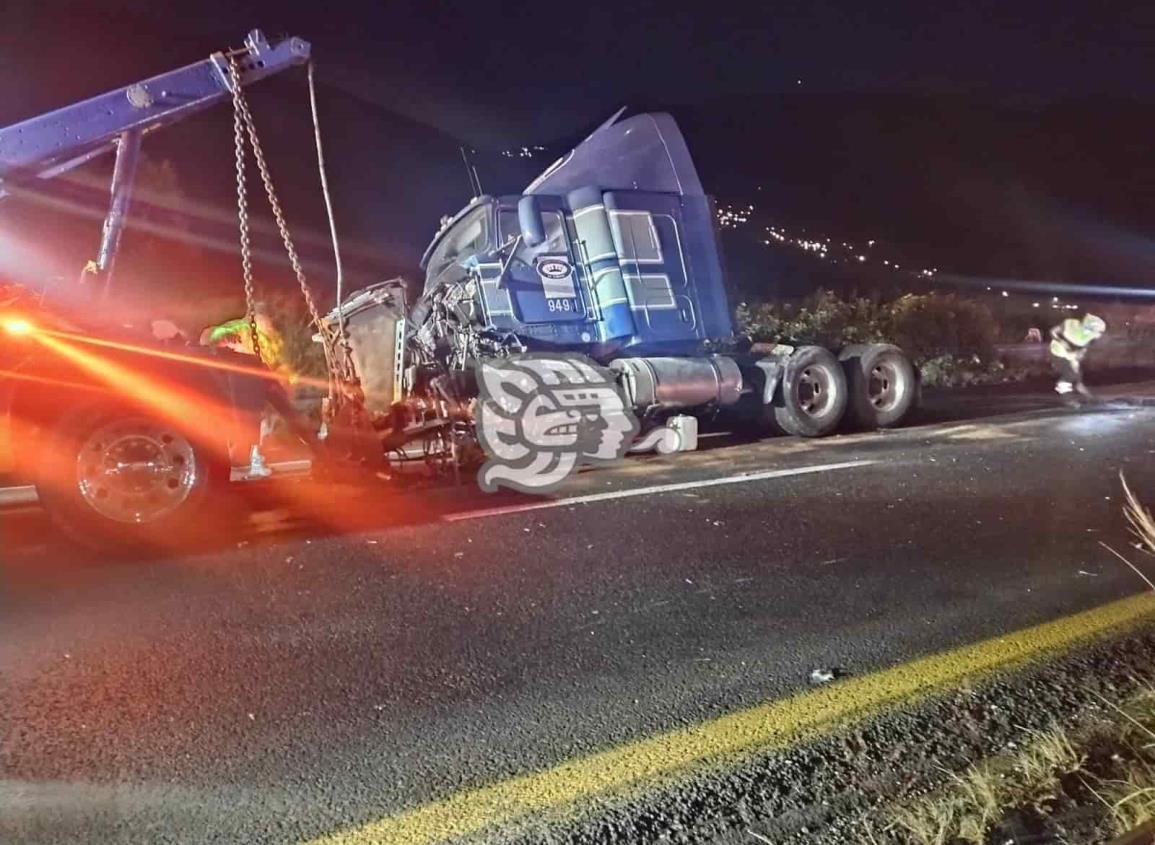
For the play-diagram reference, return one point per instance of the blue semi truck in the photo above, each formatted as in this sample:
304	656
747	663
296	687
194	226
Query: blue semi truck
613	253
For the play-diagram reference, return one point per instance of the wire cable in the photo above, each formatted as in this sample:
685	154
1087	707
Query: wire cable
328	210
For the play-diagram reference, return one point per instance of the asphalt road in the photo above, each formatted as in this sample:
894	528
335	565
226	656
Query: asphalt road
342	656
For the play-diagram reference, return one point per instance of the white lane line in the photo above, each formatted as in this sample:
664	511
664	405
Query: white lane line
657	488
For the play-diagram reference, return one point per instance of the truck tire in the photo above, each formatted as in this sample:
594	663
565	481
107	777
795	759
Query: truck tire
882	383
116	478
811	399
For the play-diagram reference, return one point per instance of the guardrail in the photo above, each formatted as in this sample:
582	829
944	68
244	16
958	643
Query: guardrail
1108	353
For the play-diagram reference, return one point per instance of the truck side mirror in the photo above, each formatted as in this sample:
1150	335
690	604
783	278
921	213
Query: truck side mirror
530	221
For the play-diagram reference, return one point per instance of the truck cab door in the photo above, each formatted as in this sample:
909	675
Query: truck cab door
544	281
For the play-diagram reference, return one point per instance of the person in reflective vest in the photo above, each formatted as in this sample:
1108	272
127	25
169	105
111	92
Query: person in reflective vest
235	335
1069	343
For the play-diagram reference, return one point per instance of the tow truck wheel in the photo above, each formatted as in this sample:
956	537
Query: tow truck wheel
882	384
811	399
112	477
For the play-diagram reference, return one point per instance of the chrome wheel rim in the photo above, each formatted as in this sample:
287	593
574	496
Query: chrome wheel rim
884	386
815	391
136	470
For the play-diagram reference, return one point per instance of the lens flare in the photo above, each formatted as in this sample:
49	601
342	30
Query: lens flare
207	418
17	326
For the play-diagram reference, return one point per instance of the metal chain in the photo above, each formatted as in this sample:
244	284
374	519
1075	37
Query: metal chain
243	205
341	364
278	214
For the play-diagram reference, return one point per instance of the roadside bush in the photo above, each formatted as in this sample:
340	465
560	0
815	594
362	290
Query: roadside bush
955	371
758	321
933	325
950	338
822	318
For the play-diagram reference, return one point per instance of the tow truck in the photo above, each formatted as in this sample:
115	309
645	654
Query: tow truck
611	253
124	438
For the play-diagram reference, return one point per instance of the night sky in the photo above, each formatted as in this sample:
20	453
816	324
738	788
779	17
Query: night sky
796	87
504	72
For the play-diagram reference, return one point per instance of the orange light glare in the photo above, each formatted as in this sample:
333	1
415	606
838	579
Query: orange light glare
17	326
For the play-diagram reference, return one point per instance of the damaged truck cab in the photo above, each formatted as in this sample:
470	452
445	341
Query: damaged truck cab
613	253
594	257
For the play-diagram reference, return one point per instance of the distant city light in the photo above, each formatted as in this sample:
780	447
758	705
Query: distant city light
523	152
733	216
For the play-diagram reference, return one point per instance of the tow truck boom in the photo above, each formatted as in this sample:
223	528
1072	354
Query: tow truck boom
54	143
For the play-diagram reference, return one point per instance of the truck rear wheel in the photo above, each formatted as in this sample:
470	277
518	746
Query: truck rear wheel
112	477
811	399
882	384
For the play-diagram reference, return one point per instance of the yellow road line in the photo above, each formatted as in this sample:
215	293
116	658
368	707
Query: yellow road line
768	726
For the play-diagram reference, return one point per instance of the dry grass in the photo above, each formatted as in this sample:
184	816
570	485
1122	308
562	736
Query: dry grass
970	805
928	821
1130	800
980	795
975	800
1140	712
1138	517
1051	755
1142	526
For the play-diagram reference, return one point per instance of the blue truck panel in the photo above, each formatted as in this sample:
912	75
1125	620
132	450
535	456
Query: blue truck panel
628	261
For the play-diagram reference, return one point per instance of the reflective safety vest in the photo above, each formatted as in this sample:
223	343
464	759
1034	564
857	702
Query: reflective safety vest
236	335
1071	338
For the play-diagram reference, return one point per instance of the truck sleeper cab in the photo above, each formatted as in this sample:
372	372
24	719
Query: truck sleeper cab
613	253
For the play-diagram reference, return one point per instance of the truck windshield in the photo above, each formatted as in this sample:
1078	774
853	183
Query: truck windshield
467	237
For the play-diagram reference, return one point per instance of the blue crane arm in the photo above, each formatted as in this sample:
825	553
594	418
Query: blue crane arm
53	143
